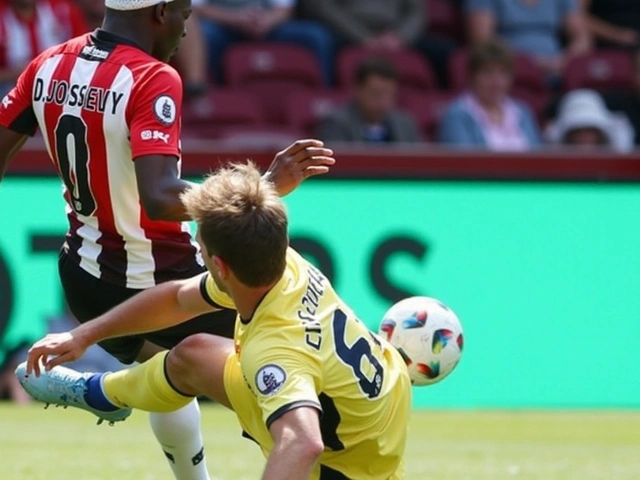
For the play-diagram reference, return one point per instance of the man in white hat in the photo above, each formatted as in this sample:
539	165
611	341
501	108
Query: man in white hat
109	108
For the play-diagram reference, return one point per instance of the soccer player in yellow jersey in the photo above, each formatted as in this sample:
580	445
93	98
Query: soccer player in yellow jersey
324	397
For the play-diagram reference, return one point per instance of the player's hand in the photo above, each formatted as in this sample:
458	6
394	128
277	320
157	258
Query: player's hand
293	165
64	347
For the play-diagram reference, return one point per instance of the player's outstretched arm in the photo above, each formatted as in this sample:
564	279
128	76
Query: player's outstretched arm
10	143
159	307
298	445
296	163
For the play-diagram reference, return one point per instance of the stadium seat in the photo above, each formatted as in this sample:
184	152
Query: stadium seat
413	70
268	137
600	70
528	75
426	109
445	19
220	109
247	63
306	109
270	72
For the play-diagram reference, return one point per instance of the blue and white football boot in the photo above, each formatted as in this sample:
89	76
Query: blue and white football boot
64	387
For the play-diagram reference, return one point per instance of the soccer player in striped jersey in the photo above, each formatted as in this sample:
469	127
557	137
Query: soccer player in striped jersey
109	106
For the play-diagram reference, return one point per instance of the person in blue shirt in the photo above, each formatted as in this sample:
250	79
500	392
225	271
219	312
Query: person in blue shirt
533	27
225	22
485	116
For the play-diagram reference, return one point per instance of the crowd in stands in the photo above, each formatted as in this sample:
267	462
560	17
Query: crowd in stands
502	75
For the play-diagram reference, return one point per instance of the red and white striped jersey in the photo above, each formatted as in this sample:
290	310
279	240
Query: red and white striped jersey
101	102
54	22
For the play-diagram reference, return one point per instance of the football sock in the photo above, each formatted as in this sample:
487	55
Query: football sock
95	397
144	387
180	438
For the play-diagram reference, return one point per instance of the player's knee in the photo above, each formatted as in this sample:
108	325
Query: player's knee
188	354
183	355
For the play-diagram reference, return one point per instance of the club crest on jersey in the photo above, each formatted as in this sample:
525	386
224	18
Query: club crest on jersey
6	101
270	379
165	110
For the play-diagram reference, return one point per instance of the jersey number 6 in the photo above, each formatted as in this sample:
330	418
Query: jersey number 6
352	357
73	160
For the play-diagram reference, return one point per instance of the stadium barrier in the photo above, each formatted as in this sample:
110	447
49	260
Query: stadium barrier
537	254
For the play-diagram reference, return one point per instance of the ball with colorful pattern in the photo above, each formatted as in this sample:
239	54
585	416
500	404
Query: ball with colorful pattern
427	334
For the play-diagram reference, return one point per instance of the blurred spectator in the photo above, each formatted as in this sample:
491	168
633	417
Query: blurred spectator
385	25
485	116
614	23
10	388
583	121
27	27
229	21
628	102
533	27
372	116
94	360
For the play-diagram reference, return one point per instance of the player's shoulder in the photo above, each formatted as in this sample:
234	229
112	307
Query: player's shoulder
148	69
270	342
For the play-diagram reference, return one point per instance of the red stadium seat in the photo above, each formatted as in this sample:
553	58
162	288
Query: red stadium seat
445	19
600	70
270	72
225	107
306	109
426	109
413	70
269	137
248	63
528	75
221	109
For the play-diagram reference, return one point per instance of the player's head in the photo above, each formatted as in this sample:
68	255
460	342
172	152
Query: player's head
242	226
163	22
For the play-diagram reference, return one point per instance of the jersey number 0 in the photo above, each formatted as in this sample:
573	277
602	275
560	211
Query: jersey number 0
71	132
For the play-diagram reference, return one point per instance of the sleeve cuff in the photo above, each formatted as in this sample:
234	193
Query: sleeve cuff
24	124
205	294
292	406
171	152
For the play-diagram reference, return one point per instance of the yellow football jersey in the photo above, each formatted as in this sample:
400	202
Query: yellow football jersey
303	346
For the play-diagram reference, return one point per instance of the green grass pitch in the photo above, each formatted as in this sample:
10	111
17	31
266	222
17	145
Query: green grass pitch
67	445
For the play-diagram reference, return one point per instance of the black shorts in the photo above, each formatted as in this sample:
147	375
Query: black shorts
89	297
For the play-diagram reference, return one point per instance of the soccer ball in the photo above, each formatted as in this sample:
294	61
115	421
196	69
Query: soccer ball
427	334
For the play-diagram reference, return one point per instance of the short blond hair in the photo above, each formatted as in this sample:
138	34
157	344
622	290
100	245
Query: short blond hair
243	221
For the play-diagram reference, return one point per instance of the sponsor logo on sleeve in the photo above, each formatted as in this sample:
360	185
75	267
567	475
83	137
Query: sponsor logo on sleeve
165	110
6	102
270	379
154	135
